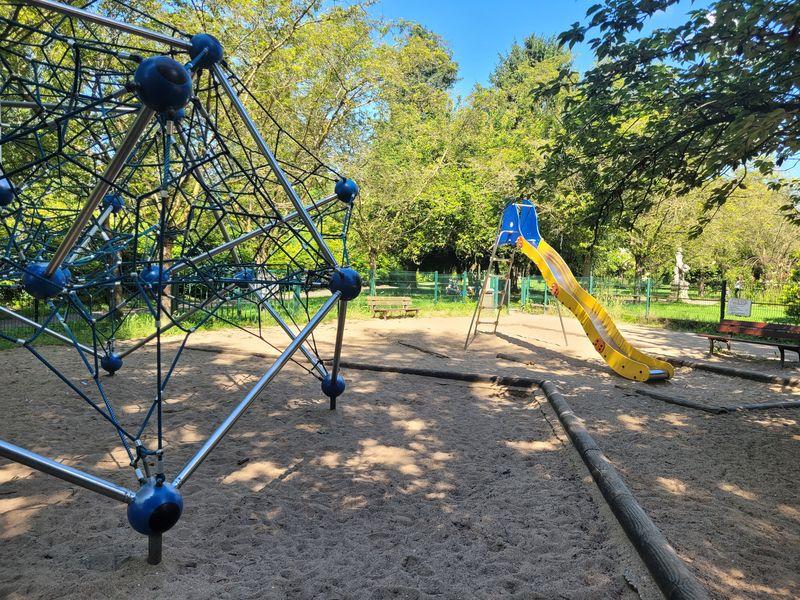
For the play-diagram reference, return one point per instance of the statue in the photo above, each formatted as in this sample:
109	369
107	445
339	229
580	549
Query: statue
680	286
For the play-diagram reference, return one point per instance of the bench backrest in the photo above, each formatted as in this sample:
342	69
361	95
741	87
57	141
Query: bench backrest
776	331
389	301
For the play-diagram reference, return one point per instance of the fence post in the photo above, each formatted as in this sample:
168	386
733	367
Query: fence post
372	282
545	295
591	283
647	298
464	287
722	299
435	287
523	292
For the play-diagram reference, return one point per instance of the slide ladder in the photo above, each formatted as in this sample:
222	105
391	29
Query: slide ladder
495	293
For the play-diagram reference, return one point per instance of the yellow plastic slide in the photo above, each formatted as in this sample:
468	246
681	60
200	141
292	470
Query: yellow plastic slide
623	358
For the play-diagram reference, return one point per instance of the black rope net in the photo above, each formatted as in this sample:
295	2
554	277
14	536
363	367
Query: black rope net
202	223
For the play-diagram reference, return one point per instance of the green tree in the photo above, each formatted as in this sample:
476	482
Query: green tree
408	146
679	107
791	292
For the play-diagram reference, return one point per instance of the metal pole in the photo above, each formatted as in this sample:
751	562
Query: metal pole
563	330
337	349
154	548
315	362
85	15
112	170
273	162
722	298
50	332
179	266
648	290
251	396
88	237
70	474
435	287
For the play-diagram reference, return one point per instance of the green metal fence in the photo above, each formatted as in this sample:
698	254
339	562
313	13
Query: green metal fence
626	298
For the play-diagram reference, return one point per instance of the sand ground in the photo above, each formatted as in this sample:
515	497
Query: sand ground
415	487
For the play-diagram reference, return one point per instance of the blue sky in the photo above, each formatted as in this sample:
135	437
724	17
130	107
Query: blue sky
479	31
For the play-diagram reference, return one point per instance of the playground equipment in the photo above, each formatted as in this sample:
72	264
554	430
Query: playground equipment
137	187
519	227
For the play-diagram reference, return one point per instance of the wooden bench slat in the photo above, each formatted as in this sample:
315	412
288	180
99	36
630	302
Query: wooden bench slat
387	305
783	337
758	329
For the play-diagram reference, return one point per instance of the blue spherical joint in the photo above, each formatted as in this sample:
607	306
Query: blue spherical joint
331	389
7	192
111	363
39	285
151	276
114	201
244	278
155	508
347	281
163	84
346	190
206	51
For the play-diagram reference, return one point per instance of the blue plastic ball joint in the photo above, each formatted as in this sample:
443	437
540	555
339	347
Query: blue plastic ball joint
38	285
150	276
331	390
156	508
111	363
346	190
347	281
115	201
243	278
163	84
206	51
7	193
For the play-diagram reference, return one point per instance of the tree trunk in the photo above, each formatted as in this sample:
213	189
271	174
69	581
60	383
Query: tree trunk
638	275
587	263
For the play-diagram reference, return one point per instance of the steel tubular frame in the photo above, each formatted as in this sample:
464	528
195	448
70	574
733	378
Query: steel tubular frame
77	238
273	162
46	330
85	15
106	181
251	396
65	472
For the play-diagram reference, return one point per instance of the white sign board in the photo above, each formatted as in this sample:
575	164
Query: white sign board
739	307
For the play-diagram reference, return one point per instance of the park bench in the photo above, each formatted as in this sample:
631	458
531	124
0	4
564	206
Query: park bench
782	337
385	306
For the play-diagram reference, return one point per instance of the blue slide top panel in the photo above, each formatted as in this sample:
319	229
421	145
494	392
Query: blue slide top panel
519	219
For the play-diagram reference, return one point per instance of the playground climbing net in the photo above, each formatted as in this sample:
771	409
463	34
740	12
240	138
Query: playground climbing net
141	181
